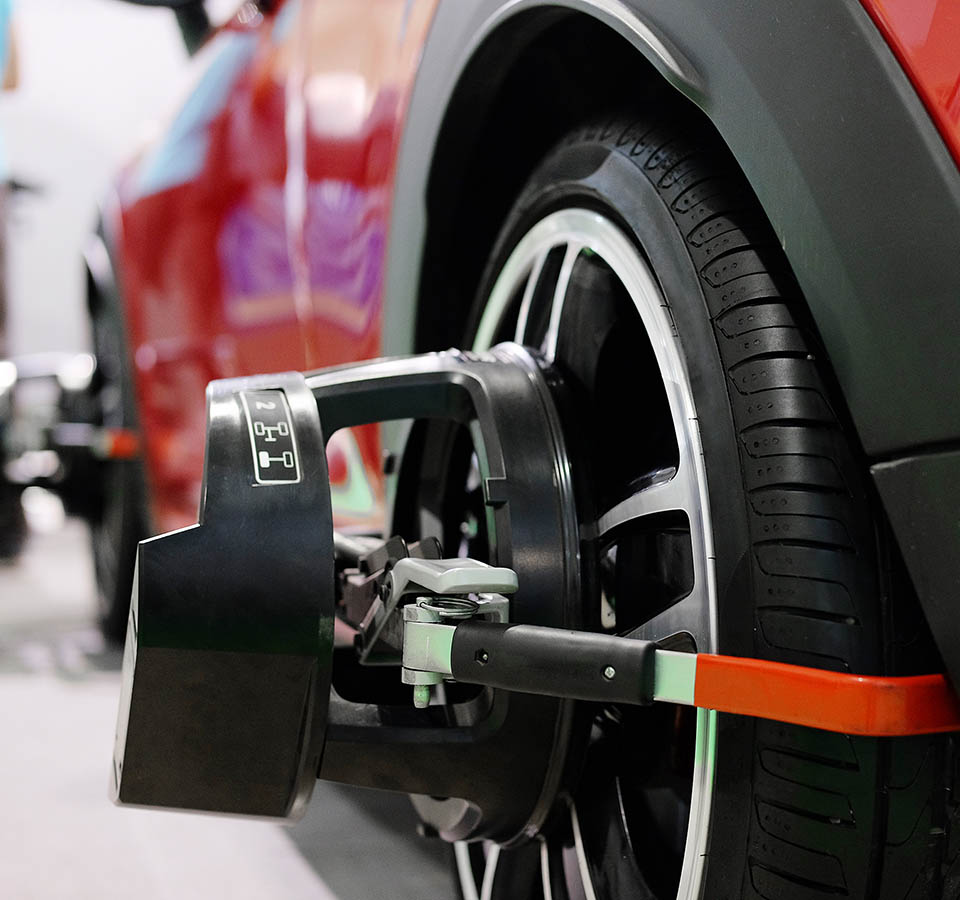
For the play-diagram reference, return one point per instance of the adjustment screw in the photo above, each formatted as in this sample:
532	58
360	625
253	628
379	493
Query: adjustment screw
421	696
482	657
609	672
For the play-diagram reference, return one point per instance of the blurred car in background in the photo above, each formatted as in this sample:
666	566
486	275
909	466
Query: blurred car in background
735	228
45	436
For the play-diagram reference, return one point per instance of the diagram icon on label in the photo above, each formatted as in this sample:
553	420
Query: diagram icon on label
272	441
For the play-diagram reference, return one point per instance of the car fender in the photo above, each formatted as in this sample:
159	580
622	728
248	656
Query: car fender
846	162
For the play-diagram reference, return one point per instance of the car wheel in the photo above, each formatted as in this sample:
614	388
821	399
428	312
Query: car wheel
117	521
734	516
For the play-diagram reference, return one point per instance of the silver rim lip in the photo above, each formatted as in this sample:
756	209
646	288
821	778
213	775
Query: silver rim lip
583	229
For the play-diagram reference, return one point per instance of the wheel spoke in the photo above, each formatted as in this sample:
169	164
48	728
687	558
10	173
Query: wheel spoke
529	290
582	861
692	613
689	615
557	864
468	886
545	874
559	296
677	494
490	872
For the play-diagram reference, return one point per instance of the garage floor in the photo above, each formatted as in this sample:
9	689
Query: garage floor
59	834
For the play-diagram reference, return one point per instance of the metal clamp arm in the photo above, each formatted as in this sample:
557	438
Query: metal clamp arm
610	669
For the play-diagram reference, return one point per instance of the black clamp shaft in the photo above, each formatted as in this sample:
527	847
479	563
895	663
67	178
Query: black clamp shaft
554	662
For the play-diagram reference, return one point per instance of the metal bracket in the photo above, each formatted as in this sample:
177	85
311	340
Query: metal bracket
383	629
446	577
428	635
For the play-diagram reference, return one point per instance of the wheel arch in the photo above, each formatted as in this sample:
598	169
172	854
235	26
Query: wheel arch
101	285
535	75
101	255
807	145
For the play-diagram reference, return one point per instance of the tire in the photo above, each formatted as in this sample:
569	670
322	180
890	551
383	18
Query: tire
117	519
13	523
779	543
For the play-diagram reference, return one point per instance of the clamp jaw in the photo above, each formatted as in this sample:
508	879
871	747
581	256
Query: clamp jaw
428	629
391	631
457	629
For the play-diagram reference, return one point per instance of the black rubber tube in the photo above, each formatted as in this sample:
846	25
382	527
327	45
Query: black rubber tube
554	661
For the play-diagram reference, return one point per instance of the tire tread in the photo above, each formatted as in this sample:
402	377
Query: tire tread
813	550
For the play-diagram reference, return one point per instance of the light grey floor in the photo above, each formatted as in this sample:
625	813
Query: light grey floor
59	835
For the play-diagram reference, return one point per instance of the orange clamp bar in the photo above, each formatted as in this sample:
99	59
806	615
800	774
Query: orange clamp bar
834	701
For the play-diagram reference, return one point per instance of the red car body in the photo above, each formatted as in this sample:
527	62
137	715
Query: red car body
252	237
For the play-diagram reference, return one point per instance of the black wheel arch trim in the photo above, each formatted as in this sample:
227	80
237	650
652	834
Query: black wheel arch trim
99	255
921	494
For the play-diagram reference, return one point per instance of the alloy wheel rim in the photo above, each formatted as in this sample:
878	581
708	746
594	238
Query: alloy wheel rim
530	295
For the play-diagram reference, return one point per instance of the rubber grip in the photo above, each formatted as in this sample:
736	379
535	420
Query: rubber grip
554	662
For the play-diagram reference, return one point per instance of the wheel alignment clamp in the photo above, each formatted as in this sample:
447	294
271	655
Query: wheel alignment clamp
833	701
